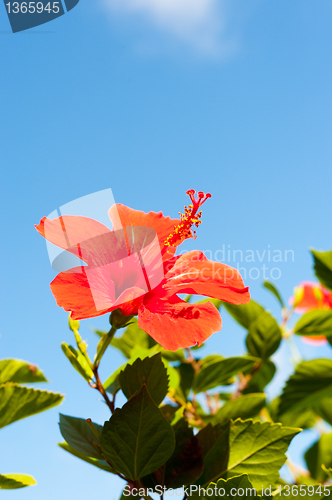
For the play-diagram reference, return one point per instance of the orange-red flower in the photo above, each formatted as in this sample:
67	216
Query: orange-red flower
308	296
133	268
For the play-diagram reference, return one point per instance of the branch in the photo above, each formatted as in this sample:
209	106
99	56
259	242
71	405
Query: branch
99	387
244	380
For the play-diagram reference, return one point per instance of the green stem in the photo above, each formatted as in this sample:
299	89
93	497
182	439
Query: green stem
92	427
101	348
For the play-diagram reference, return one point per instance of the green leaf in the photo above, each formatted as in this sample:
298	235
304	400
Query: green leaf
264	336
78	361
197	347
178	415
245	314
100	333
272	288
149	371
18	402
307	480
101	464
78	434
140	352
177	355
219	370
323	408
168	411
311	382
186	373
243	407
19	372
112	384
258	449
236	485
173	376
103	344
248	447
232	488
328	471
323	267
261	377
137	439
211	358
186	463
131	338
298	417
214	441
224	396
315	322
15	481
320	453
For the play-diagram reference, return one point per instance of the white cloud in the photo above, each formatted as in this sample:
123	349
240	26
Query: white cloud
198	23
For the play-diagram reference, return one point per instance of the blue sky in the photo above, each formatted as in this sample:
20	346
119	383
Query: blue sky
150	99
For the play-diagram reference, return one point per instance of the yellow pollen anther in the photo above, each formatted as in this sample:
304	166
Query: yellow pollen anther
190	218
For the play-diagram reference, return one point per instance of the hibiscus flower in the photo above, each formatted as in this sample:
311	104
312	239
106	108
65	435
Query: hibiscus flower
308	296
133	268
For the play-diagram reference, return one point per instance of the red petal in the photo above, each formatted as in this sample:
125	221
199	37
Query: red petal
90	292
72	291
112	278
193	273
310	300
175	323
86	238
123	216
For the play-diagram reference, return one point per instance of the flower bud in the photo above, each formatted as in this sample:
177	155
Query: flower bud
73	324
119	320
298	295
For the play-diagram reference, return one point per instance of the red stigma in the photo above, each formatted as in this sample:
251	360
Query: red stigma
202	197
